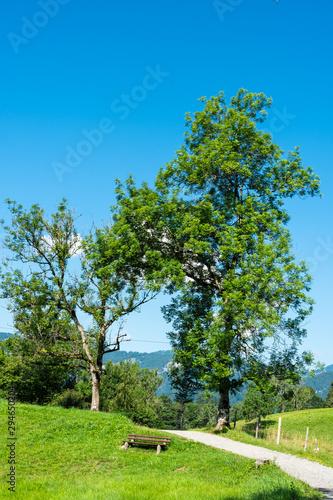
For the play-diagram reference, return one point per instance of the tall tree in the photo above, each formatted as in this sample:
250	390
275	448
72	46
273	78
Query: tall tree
51	304
233	180
218	212
215	230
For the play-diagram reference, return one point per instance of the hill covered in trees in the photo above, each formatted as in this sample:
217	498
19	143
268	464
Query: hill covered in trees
160	360
5	335
321	382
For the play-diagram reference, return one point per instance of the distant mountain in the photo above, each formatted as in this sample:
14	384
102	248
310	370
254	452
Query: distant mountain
5	335
160	359
321	382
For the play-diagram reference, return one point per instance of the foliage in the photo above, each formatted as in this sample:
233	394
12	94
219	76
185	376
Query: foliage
36	382
257	404
127	388
320	382
305	397
48	301
70	398
236	412
276	398
166	412
184	381
196	414
202	412
329	397
222	200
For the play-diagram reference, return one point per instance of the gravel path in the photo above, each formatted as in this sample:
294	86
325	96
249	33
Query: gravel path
316	475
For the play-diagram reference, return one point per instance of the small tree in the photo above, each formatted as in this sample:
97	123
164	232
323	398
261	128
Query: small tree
51	304
257	404
166	413
185	383
129	389
236	412
306	398
329	397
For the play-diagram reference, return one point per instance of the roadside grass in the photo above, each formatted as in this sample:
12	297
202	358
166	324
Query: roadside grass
76	454
293	432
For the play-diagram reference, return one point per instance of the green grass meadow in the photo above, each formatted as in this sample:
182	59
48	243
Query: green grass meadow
76	454
293	432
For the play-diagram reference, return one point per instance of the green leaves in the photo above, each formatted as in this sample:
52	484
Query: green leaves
51	303
232	181
127	388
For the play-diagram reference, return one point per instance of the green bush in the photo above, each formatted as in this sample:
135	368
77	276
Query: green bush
70	399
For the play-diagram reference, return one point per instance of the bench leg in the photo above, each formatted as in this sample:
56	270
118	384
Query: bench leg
125	446
158	449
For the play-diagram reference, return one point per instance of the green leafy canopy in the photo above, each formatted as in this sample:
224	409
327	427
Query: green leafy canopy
216	227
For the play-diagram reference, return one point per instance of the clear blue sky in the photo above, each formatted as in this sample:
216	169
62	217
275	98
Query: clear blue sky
132	69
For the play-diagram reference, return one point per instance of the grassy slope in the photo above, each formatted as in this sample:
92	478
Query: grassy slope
76	454
293	431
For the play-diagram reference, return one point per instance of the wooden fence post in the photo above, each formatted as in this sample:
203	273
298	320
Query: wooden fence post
257	427
306	438
279	431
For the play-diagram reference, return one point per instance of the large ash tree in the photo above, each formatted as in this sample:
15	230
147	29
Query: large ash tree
216	227
53	301
237	250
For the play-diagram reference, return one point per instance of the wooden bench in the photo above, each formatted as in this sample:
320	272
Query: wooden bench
142	440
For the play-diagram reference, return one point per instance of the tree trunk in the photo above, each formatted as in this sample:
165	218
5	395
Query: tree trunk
96	372
224	407
182	416
258	426
96	385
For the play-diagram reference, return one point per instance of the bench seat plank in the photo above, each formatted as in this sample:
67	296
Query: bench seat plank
145	440
133	443
160	438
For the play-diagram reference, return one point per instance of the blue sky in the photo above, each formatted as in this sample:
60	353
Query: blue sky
92	91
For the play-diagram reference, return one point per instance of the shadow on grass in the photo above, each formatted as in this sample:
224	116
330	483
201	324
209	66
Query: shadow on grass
279	493
250	428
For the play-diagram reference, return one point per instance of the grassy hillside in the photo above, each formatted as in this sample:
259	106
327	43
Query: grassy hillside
293	432
76	454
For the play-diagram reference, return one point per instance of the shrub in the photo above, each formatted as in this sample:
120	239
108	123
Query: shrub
70	399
